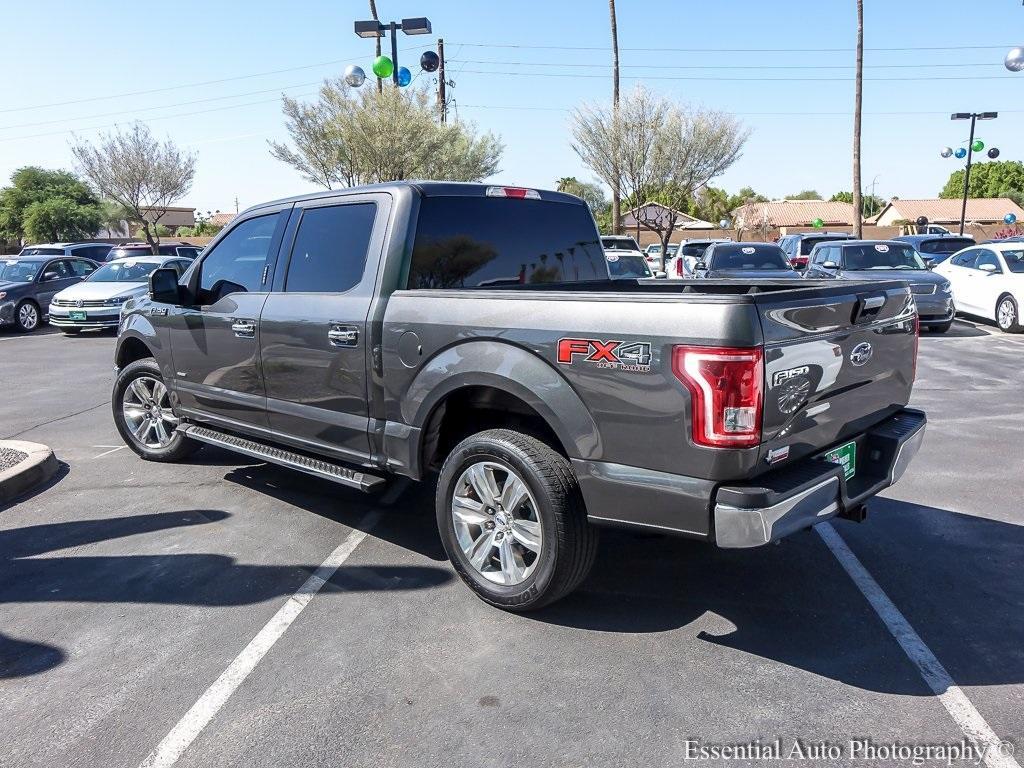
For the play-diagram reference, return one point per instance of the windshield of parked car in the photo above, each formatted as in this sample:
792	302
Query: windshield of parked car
748	257
1014	261
945	245
624	265
623	243
124	271
881	256
808	243
14	271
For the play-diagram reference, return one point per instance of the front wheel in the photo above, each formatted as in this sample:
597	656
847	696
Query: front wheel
512	520
1008	316
26	316
143	414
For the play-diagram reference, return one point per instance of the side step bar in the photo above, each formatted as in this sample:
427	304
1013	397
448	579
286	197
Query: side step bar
318	467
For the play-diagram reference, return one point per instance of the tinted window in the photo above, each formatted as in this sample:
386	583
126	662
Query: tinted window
187	253
967	258
465	242
807	244
694	249
58	270
987	257
96	252
760	256
41	252
1014	261
81	267
624	243
236	263
329	254
945	245
881	256
14	271
622	265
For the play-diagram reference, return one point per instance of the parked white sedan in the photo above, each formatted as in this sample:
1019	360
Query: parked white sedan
95	303
988	281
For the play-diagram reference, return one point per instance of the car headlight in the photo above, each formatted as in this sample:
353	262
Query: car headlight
3	295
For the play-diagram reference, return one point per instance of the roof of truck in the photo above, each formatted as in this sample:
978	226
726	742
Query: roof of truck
424	188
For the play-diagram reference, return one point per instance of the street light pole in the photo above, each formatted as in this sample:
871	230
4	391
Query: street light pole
419	25
973	117
394	52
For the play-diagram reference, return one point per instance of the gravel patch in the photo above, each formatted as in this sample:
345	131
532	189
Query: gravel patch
9	457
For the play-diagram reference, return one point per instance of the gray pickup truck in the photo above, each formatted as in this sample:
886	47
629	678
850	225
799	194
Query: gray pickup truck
470	335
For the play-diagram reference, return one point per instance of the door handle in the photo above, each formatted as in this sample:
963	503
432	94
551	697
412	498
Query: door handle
245	329
343	336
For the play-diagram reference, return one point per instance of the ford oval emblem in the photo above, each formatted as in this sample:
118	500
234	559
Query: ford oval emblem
861	354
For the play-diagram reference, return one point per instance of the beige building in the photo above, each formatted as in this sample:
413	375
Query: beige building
980	211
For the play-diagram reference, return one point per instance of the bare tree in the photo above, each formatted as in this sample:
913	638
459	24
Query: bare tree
348	138
858	208
376	42
136	171
616	194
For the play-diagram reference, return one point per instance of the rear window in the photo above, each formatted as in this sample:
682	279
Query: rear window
808	243
695	249
622	243
42	252
881	256
945	245
623	265
739	257
471	242
124	253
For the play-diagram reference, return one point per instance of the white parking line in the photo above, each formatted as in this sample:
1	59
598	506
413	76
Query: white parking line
209	704
113	449
997	754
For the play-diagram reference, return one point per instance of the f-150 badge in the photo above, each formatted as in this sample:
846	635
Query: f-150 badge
625	356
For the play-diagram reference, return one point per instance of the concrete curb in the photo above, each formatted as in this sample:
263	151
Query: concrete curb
35	470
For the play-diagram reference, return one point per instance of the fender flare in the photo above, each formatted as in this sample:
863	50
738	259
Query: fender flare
138	328
515	371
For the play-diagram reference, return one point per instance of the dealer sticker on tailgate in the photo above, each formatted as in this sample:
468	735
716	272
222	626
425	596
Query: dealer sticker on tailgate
846	457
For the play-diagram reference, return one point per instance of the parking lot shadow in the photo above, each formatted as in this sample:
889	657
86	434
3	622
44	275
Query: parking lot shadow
179	578
956	578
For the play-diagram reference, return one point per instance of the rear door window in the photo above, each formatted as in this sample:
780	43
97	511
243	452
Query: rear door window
329	254
476	241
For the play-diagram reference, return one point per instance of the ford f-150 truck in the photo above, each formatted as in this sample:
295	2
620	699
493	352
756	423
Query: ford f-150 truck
471	335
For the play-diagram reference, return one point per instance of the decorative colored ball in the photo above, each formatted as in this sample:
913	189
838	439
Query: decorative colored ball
993	153
960	153
946	152
404	76
818	223
723	224
921	221
429	61
1014	60
978	145
1010	218
354	75
383	66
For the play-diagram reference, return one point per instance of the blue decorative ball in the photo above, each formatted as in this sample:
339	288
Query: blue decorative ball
404	76
1010	218
960	154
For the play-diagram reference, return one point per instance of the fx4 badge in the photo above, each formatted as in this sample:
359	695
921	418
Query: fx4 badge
624	356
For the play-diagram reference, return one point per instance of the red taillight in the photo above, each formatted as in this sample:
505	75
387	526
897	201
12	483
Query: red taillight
679	266
727	390
516	192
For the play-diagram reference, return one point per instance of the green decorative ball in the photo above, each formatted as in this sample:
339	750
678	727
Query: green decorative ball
978	145
383	66
818	223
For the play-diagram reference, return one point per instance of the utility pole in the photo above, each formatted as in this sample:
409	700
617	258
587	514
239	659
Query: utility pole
236	203
616	194
858	201
373	12
442	101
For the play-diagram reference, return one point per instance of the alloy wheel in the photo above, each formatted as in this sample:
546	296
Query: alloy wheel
28	316
147	412
1007	314
497	523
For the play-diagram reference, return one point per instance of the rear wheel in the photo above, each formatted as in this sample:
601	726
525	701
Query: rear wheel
26	316
1008	315
143	414
512	520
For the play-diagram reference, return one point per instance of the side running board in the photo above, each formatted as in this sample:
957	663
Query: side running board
318	467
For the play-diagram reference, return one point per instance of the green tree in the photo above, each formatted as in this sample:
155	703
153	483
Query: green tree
744	196
49	205
805	194
592	194
872	204
1003	178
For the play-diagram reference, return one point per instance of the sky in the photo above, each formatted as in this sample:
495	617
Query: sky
209	75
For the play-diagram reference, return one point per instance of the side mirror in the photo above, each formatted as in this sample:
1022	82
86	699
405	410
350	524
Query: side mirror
48	276
700	265
829	265
990	268
660	275
163	286
929	264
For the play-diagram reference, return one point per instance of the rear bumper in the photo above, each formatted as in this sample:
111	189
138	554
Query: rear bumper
813	490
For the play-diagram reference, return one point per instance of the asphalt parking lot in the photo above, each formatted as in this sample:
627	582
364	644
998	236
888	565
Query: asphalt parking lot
127	589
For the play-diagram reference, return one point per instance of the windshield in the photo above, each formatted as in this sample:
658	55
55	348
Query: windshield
1014	261
124	271
881	256
13	271
653	249
623	265
41	252
945	245
623	243
808	243
761	256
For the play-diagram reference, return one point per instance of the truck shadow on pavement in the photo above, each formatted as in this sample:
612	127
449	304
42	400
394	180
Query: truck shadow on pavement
181	579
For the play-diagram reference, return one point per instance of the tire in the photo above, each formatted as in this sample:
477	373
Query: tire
1008	315
27	316
941	327
141	407
551	506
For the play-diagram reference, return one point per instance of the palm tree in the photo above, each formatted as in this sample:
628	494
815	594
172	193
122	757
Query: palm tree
373	12
857	94
616	201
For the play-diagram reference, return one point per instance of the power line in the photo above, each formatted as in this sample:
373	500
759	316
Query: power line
742	79
901	113
988	64
733	51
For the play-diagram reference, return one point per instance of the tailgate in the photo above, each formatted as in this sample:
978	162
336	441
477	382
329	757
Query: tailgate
839	357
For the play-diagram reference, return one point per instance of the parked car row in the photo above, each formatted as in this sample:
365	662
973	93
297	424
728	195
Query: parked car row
77	286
